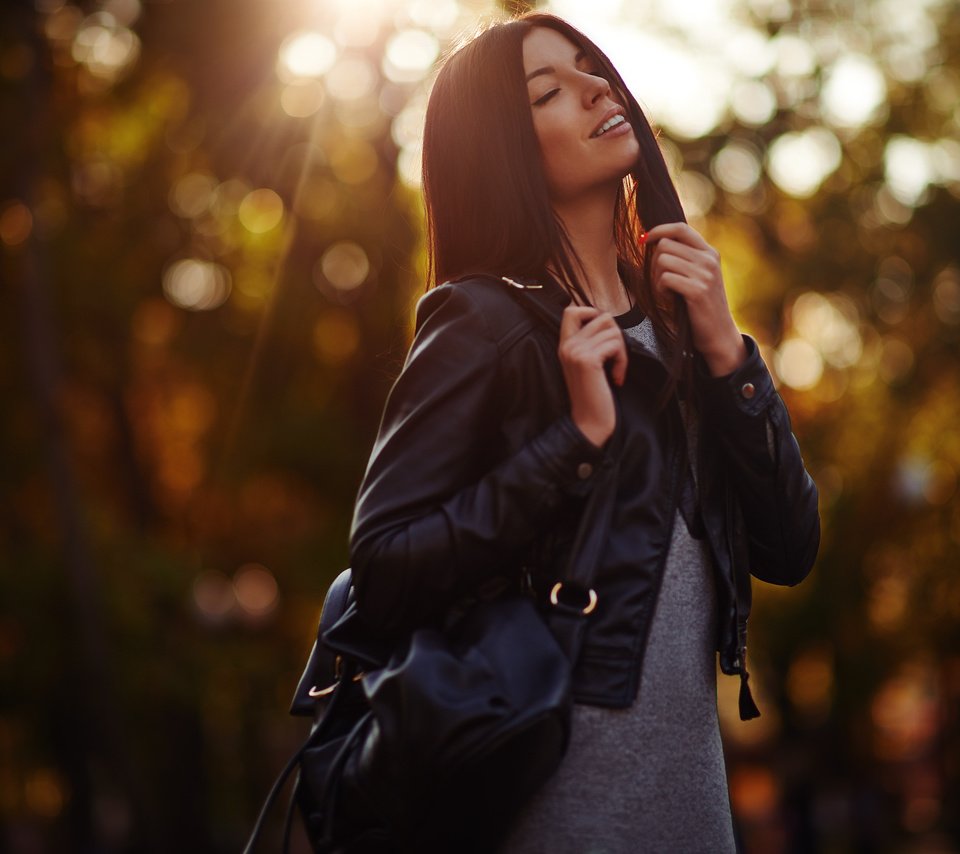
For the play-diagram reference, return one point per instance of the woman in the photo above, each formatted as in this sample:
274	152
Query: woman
539	166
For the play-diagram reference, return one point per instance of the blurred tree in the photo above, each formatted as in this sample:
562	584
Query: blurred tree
836	209
213	262
210	223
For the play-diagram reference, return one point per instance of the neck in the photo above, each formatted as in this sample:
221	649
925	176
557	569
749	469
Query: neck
588	221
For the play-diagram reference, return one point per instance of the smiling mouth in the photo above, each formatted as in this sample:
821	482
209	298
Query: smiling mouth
609	124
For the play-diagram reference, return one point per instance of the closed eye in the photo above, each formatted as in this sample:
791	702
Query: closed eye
544	98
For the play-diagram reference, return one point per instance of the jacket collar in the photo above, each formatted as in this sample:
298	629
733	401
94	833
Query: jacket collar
547	291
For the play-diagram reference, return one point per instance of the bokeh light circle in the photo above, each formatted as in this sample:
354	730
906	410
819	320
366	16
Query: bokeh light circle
261	211
106	48
345	265
799	162
16	223
753	102
256	590
830	322
351	78
854	92
409	55
305	54
736	167
192	194
908	169
359	22
439	16
196	285
794	55
697	193
799	364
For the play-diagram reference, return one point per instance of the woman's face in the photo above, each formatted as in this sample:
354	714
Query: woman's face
585	139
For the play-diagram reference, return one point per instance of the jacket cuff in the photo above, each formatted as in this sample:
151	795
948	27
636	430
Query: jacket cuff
570	456
747	391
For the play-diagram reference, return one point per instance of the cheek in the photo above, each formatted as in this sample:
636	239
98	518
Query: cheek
557	147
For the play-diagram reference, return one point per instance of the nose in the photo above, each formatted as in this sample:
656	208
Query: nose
595	87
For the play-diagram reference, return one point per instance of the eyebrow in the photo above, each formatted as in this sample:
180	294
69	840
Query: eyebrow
549	69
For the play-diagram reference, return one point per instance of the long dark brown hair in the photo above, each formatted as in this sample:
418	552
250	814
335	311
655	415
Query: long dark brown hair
487	204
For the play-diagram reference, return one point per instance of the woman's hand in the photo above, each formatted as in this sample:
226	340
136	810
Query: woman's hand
685	264
589	338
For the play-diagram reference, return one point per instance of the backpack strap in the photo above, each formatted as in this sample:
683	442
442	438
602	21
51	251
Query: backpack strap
573	597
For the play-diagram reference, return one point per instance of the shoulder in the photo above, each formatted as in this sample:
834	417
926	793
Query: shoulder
478	306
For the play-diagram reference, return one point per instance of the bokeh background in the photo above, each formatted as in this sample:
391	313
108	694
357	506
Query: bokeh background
211	242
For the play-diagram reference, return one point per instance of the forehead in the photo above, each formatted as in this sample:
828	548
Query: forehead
543	46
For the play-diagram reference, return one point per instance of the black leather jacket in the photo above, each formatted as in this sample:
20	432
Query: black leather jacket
478	470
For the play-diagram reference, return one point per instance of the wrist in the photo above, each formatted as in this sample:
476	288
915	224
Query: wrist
727	356
595	433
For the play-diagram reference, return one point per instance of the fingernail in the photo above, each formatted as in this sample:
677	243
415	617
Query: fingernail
642	238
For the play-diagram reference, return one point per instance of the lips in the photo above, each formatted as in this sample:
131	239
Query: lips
614	114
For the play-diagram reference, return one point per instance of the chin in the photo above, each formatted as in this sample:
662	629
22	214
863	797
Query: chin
632	152
623	160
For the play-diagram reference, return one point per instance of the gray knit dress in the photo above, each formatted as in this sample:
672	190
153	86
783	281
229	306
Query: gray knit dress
651	777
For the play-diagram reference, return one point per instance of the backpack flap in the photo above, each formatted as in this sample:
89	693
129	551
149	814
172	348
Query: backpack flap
351	638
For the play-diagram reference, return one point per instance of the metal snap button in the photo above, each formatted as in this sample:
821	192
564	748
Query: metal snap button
748	390
584	470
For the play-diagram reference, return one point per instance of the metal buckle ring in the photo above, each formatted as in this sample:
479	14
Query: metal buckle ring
588	608
316	692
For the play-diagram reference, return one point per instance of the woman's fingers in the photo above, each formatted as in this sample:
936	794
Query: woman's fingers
679	231
596	339
594	349
665	263
574	317
685	264
672	252
584	322
590	340
681	257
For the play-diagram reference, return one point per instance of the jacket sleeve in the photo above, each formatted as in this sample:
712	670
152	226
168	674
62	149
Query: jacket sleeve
439	511
778	497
